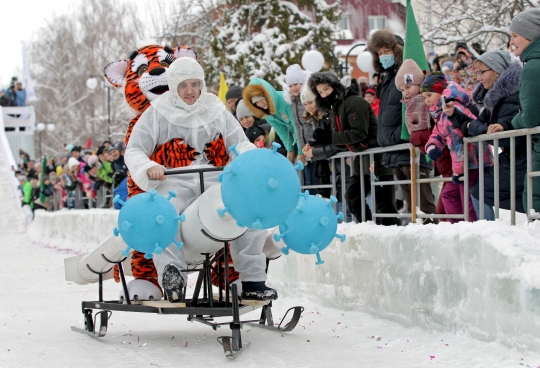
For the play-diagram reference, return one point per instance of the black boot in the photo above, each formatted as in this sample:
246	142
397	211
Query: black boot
173	284
257	290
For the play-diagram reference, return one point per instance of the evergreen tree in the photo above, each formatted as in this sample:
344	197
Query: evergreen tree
261	38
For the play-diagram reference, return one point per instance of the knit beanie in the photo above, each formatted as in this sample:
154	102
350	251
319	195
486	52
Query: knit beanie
497	60
242	111
233	92
371	91
434	82
363	80
254	132
527	23
409	73
73	162
295	74
306	94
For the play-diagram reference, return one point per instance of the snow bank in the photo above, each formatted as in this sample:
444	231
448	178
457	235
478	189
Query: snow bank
481	278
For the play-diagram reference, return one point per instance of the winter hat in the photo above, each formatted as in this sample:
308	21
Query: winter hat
242	111
254	132
527	24
92	160
496	60
256	99
306	94
461	44
22	178
449	64
73	162
363	80
233	92
295	74
69	147
434	82
409	73
371	91
76	148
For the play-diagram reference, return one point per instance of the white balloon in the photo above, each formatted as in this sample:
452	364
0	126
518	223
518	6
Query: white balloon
364	61
91	83
313	61
40	126
50	127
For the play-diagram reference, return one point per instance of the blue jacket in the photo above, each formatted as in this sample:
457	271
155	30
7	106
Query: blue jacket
122	191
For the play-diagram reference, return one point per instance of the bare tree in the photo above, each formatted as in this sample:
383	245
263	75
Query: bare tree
64	54
483	21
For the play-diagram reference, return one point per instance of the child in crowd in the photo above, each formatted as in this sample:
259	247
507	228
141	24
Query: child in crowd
257	136
445	134
417	118
371	96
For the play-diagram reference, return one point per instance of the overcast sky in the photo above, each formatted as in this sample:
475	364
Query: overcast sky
19	21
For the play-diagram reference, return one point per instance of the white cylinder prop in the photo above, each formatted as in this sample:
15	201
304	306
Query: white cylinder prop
78	268
202	215
364	60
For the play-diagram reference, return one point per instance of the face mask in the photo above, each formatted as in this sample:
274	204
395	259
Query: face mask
259	144
387	61
330	98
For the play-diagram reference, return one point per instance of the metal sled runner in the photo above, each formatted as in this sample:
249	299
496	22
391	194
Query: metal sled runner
202	307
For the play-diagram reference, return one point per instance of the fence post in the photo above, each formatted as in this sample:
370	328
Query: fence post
413	183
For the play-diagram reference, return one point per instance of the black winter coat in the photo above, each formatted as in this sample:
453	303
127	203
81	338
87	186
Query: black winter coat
390	122
500	105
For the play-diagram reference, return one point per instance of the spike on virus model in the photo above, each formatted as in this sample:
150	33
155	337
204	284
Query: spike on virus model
259	188
311	227
148	222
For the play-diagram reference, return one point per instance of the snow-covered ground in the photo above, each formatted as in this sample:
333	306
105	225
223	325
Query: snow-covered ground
38	307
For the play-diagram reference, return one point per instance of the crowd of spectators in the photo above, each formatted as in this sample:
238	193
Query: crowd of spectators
73	177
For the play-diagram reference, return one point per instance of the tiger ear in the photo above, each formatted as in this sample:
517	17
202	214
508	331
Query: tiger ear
115	72
184	51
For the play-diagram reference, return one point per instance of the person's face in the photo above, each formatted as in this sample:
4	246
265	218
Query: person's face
295	89
19	86
519	43
75	169
263	104
260	138
114	155
375	79
410	90
231	103
63	160
324	89
369	98
485	75
363	85
76	154
385	51
189	90
311	107
247	121
31	164
431	98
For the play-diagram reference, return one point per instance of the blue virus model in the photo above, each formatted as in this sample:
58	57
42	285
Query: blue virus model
311	227
148	223
259	188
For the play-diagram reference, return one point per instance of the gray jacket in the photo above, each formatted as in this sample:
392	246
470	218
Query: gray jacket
304	130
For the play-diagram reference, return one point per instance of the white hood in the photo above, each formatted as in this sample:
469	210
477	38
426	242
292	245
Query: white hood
207	107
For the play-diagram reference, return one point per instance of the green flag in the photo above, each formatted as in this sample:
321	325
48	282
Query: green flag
414	49
42	196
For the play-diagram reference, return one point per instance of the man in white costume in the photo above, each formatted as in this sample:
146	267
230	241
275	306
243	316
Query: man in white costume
188	112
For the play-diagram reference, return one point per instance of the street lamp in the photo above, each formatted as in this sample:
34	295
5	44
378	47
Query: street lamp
92	83
313	60
41	127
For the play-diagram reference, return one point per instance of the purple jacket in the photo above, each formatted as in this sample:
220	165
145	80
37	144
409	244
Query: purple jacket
445	134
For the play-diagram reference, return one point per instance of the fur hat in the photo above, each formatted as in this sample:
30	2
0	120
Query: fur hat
295	74
434	82
254	132
73	162
242	111
233	92
384	38
527	24
409	73
306	94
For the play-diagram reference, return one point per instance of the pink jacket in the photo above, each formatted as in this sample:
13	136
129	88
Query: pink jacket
445	134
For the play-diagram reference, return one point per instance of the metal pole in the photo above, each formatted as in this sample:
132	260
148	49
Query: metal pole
40	143
413	184
347	56
109	112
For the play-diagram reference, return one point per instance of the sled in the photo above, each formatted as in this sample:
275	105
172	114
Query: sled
203	307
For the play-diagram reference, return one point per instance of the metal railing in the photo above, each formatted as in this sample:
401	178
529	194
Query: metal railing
103	196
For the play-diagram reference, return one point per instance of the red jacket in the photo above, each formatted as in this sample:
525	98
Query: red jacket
375	106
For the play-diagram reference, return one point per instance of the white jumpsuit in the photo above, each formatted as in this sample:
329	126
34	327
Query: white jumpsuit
170	117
